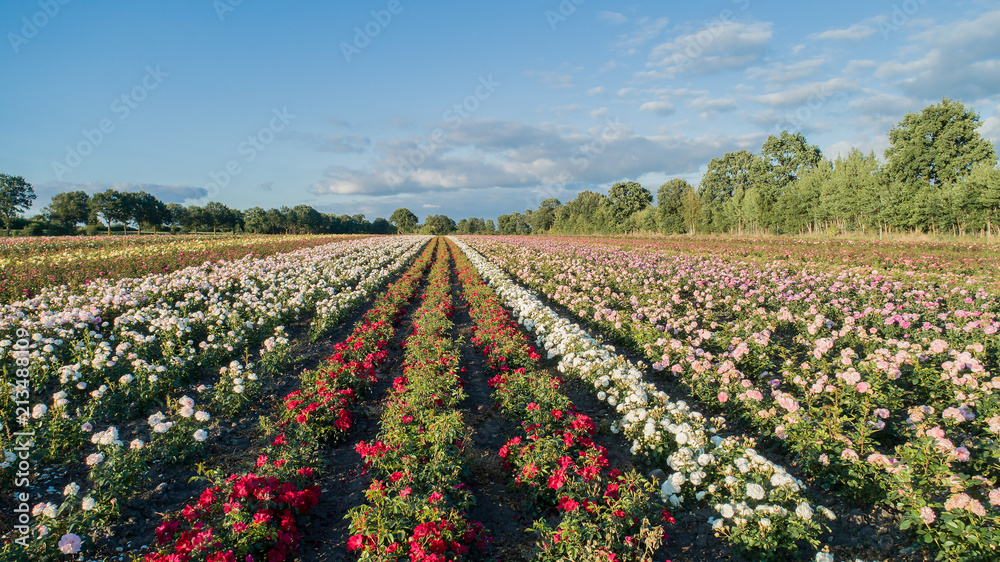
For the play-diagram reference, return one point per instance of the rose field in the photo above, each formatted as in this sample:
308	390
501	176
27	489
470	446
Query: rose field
510	398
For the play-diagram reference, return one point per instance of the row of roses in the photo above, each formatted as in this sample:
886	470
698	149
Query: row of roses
601	511
417	506
759	506
227	524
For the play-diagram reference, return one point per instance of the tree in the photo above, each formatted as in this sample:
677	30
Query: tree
109	205
382	226
490	227
785	158
16	196
542	219
149	211
669	201
627	198
691	210
725	184
178	215
217	215
931	150
404	220
513	223
69	208
255	220
306	219
439	225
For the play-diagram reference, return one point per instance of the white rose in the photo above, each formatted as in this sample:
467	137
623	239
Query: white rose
804	511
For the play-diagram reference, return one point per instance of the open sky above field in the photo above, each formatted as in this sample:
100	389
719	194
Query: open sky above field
460	108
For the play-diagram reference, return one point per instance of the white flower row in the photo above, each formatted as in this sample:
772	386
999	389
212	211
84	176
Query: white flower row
700	463
155	318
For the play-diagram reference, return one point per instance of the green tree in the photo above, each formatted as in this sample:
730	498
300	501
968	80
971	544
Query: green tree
178	215
513	223
382	226
110	206
439	225
928	152
69	208
148	211
724	186
305	219
16	196
255	220
691	210
541	219
217	216
404	220
626	199
490	227
669	202
785	158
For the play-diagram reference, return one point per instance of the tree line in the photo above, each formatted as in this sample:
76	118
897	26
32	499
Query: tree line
939	175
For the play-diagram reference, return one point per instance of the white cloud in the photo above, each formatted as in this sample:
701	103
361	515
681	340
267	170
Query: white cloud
595	91
658	107
599	112
777	72
613	18
647	30
816	93
431	206
710	107
488	153
853	33
726	46
960	59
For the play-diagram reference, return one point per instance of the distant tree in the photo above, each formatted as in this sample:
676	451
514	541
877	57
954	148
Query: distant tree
669	202
928	152
691	210
627	198
477	226
382	226
462	227
148	211
490	227
724	186
785	158
110	206
255	220
69	208
404	220
177	215
541	219
217	216
305	219
16	196
439	225
513	223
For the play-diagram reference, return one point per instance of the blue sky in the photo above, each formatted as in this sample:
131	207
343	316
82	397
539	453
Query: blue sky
460	108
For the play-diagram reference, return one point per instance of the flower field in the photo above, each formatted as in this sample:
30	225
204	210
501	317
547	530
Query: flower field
465	403
30	264
878	385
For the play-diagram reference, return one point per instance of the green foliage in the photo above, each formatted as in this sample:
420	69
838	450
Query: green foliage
669	206
627	198
439	225
16	196
404	220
